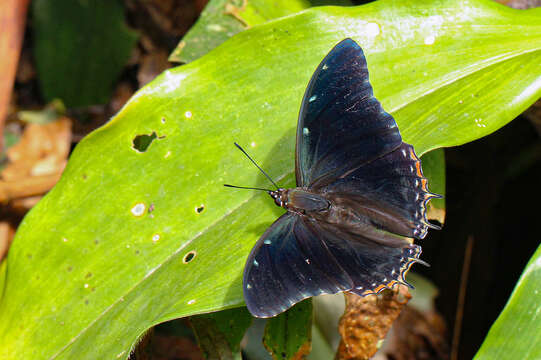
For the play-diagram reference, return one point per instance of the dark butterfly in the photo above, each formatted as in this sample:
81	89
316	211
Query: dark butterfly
360	191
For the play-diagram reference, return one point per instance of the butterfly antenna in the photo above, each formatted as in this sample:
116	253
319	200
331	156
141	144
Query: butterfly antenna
244	187
259	167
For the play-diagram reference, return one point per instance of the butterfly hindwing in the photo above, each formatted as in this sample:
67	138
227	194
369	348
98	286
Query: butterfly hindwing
372	266
341	124
297	258
391	188
289	264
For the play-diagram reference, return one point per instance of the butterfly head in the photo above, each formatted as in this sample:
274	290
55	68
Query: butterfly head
279	196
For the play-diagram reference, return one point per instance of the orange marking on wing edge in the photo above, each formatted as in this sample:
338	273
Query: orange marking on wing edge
380	288
412	155
418	166
423	184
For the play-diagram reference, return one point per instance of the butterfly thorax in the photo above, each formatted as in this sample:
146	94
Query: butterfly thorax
338	213
299	200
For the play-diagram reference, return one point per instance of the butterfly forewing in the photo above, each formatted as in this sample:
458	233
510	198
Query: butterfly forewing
341	124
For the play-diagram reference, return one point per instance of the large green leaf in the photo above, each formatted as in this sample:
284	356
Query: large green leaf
128	239
516	334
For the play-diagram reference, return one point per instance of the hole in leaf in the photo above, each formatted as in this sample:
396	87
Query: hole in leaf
189	257
199	209
142	142
138	209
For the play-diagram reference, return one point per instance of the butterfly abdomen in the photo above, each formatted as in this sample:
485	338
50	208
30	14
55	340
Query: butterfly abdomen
353	224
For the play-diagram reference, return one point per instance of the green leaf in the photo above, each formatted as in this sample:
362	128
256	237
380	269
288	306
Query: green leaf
255	12
516	334
222	19
289	335
3	268
434	169
213	27
219	334
80	49
130	239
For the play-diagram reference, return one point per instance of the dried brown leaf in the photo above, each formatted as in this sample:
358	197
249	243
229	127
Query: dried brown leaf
37	160
366	321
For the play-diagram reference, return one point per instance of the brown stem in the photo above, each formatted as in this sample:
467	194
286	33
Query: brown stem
12	23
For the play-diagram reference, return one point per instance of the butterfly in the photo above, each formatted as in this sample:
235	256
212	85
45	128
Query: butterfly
360	194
